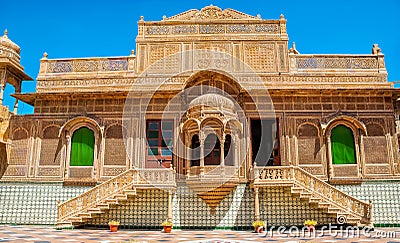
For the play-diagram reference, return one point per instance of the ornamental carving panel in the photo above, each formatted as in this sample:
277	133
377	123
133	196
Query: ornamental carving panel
375	149
336	62
345	170
49	171
260	57
15	171
113	171
377	169
309	150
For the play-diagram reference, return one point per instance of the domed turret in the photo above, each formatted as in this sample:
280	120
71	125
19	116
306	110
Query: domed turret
9	48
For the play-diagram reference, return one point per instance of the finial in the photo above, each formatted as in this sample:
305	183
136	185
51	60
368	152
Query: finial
164	17
259	16
293	49
376	49
282	16
5	32
142	18
45	55
211	5
132	52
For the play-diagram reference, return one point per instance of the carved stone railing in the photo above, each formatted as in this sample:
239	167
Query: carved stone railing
216	171
130	178
86	65
291	175
337	62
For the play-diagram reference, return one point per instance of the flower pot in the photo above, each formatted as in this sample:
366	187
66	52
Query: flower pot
259	229
310	228
113	228
167	229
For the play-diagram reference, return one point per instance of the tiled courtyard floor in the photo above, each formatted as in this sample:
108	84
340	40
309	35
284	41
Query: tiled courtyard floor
46	234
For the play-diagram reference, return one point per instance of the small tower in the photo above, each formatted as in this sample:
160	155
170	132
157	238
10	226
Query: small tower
11	72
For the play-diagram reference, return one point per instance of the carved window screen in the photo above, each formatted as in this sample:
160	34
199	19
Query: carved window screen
50	151
115	151
19	148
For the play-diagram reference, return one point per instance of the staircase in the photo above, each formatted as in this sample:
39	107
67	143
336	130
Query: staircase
101	198
319	194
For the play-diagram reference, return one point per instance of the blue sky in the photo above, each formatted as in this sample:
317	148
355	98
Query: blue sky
108	28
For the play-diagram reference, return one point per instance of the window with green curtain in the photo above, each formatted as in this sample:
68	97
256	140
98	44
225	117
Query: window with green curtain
82	147
342	145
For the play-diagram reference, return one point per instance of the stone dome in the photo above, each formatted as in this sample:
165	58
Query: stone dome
212	100
6	45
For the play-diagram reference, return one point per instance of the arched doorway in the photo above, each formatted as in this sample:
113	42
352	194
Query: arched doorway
342	145
82	147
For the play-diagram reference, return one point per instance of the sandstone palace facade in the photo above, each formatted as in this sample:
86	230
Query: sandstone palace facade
213	122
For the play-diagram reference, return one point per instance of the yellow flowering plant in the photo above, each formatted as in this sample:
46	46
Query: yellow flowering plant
310	223
166	223
113	222
258	224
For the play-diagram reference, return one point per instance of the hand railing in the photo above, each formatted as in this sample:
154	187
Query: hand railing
311	183
116	185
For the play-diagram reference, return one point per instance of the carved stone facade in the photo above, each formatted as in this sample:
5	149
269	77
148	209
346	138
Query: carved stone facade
302	97
311	94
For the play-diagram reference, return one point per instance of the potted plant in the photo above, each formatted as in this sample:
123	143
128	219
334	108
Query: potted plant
258	226
310	224
113	225
167	226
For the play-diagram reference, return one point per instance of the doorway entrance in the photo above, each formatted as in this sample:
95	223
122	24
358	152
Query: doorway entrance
265	142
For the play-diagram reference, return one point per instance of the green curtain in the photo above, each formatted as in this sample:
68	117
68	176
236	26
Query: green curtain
342	144
82	149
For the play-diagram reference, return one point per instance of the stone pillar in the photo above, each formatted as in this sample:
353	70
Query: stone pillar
222	153
256	205
201	157
170	193
1	94
329	159
15	111
188	159
67	156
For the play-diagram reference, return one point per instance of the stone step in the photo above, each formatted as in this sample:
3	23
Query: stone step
85	215
130	192
296	190
111	201
305	195
74	220
324	205
103	206
121	197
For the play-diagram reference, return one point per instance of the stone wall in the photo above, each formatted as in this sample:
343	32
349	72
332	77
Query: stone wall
33	203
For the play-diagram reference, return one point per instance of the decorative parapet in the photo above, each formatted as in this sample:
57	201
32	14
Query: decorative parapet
211	20
86	65
350	63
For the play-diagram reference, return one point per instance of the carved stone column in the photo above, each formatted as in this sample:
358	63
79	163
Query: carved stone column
67	155
170	193
188	157
256	205
201	157
222	152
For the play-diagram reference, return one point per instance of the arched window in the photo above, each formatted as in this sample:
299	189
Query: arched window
212	150
342	145
195	150
82	147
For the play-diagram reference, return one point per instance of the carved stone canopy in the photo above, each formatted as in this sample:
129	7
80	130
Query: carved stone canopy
6	43
211	13
212	100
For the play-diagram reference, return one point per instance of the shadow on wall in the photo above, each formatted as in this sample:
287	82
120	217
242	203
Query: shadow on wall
3	159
